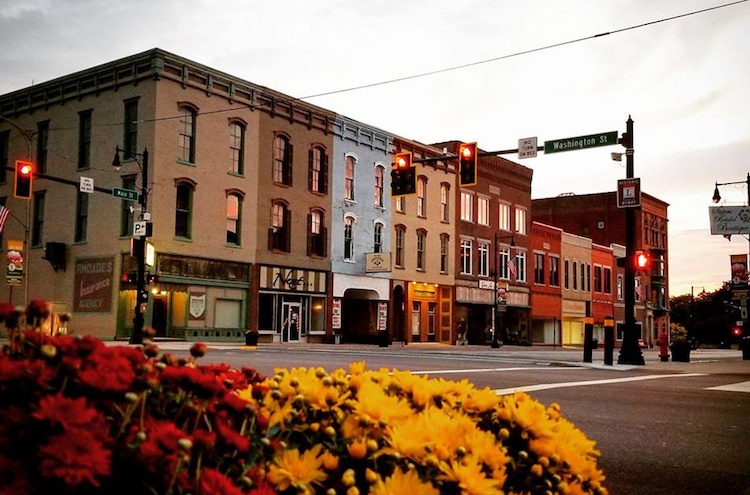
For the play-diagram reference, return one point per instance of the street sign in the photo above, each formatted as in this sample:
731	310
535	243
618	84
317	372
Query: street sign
125	194
727	220
527	148
629	193
581	142
139	228
87	185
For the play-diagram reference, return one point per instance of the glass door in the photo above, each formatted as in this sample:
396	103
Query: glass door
291	327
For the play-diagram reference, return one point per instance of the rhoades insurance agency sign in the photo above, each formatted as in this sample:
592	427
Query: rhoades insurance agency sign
93	285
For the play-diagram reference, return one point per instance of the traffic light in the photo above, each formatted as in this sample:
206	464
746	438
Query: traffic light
737	332
467	161
642	260
24	180
403	175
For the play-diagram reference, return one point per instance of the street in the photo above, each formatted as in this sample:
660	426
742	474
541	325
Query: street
660	427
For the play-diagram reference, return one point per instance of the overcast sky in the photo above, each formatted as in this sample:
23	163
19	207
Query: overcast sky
686	82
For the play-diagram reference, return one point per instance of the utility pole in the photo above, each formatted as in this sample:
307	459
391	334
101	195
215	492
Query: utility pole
630	352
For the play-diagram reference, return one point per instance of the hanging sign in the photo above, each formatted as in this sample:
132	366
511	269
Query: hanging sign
197	306
14	272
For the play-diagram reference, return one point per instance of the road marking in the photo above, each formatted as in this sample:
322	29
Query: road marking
492	370
547	386
734	387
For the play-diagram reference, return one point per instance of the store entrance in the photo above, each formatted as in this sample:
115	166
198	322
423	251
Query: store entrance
292	324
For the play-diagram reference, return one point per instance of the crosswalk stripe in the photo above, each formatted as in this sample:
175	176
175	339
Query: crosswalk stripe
547	386
733	387
493	370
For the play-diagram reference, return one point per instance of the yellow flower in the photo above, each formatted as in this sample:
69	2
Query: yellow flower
374	404
290	468
357	368
470	478
357	449
330	461
403	483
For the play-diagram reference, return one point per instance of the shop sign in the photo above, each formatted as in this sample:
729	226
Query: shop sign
377	262
197	306
93	285
336	323
292	279
486	284
739	270
382	316
574	307
14	272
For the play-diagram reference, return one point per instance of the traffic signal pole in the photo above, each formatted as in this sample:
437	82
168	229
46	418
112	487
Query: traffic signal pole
140	254
630	351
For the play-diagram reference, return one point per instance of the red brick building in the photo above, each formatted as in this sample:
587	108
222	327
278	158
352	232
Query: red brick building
602	294
597	217
546	295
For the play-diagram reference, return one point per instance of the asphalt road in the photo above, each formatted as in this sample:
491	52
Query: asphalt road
659	427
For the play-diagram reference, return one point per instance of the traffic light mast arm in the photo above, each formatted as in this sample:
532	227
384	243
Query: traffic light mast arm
453	156
64	181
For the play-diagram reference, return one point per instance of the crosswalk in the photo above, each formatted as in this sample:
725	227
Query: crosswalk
733	387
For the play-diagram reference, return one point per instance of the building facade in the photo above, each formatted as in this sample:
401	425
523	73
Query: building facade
546	291
576	289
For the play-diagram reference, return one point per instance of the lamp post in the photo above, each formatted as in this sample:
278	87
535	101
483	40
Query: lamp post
139	243
495	343
716	198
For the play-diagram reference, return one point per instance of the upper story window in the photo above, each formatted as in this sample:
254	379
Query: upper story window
583	278
467	206
444	245
483	211
504	217
183	210
82	216
42	139
349	178
237	148
130	128
597	278
620	287
279	235
521	266
444	205
520	221
187	134
377	238
422	197
574	275
566	274
421	249
400	238
400	204
317	234
467	246
317	177
504	264
607	280
379	178
349	239
234	216
554	271
4	145
483	249
638	289
282	160
37	225
539	268
84	139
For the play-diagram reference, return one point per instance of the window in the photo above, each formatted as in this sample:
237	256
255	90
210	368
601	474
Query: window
444	212
400	235
130	129
316	234
504	217
4	143
421	197
575	275
126	214
400	204
521	221
467	207
318	171
588	277
421	247
377	241
279	238
597	278
607	280
379	174
349	178
3	203
42	139
484	259
37	226
554	271
503	268
444	240
183	211
82	215
567	274
521	267
84	139
583	277
237	148
539	268
349	239
187	134
234	215
282	160
638	289
483	211
466	249
619	287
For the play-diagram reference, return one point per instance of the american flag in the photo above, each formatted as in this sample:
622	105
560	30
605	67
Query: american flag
511	267
4	212
638	292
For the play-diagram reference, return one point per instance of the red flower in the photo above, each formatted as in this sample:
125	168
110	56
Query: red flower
6	311
11	369
69	413
109	370
38	308
204	440
262	489
13	479
159	452
232	439
75	457
212	482
192	379
198	350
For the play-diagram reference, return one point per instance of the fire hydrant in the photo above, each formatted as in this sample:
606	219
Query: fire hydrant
664	346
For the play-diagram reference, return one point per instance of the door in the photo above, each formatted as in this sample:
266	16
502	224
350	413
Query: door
431	321
416	320
159	315
291	327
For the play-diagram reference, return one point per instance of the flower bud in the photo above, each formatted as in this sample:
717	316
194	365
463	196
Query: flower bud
330	431
372	445
348	478
265	441
371	476
320	372
151	350
185	443
198	350
160	366
294	382
48	351
141	436
504	433
331	491
523	455
131	397
327	381
353	490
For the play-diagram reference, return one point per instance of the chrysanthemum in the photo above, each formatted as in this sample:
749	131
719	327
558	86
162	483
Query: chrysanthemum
290	468
470	479
403	483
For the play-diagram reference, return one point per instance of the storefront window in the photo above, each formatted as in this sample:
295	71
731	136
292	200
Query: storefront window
318	314
266	310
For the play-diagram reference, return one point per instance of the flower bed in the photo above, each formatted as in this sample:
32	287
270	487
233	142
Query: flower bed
80	417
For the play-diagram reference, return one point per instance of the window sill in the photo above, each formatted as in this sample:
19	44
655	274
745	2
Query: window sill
182	239
349	261
317	256
83	169
401	212
399	267
232	245
185	162
422	216
382	208
467	221
281	184
78	243
350	201
126	237
466	274
279	251
318	193
236	174
447	222
421	270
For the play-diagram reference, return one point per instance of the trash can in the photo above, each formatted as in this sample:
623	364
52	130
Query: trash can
337	338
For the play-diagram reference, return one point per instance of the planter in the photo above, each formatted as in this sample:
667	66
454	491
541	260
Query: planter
681	352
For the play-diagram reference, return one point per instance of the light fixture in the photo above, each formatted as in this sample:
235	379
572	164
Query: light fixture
154	291
717	196
116	161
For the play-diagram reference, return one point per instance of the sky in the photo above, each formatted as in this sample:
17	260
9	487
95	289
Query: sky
684	82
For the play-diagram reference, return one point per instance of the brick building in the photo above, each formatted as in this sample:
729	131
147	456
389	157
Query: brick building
546	292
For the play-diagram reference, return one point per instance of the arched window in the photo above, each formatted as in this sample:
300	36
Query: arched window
234	217
237	148
187	134
444	202
422	197
279	238
349	238
349	178
318	170
183	210
282	160
317	234
377	238
379	176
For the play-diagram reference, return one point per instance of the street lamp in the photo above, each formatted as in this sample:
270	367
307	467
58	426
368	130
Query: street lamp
495	342
139	242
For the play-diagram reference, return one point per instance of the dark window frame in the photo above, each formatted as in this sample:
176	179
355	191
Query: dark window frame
84	139
82	216
183	212
130	129
37	227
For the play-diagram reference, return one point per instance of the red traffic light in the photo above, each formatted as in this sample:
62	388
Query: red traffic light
25	169
642	260
467	164
403	160
736	331
24	180
403	175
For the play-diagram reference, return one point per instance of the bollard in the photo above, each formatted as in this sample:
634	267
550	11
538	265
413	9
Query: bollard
609	341
384	340
588	336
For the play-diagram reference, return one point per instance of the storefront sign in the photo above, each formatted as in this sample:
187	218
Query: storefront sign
486	284
336	314
93	285
291	279
726	220
377	262
517	298
574	308
197	306
382	316
14	273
